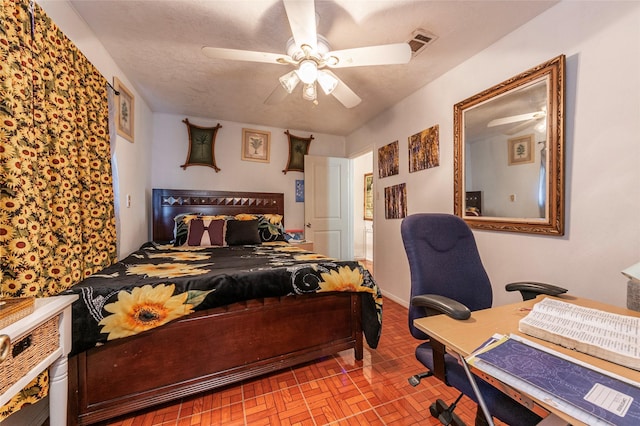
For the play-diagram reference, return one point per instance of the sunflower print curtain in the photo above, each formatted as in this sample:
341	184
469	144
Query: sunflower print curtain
57	221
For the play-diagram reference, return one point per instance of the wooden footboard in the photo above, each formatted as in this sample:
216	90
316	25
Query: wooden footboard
210	349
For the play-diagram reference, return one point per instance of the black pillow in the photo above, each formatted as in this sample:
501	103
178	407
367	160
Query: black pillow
240	232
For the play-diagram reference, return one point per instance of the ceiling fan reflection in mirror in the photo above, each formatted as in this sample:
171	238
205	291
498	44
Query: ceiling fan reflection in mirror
312	58
521	121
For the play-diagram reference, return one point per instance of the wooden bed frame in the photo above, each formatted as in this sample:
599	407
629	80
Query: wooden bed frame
213	348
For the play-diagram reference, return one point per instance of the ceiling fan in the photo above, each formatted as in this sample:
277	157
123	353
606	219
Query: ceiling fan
517	118
523	120
312	58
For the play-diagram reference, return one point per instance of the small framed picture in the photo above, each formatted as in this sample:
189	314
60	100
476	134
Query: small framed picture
368	196
424	149
124	110
299	190
395	201
388	163
521	150
256	145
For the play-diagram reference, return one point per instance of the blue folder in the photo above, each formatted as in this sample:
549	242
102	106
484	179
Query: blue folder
568	381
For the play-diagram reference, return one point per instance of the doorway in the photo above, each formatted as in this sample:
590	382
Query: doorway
362	228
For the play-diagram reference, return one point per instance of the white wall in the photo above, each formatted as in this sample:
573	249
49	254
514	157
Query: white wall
133	159
601	41
171	145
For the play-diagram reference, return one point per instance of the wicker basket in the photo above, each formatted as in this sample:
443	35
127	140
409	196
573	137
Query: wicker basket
44	340
11	310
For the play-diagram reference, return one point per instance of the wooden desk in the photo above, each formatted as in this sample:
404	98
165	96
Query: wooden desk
463	337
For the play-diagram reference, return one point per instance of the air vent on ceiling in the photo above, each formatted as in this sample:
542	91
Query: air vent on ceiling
419	40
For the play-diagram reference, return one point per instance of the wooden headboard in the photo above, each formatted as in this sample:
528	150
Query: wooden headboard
167	203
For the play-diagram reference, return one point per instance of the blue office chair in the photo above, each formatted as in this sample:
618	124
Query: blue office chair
447	276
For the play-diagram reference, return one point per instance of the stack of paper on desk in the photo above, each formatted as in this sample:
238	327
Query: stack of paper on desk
582	391
615	338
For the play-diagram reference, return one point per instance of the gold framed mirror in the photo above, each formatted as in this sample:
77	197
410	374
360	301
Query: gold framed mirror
509	153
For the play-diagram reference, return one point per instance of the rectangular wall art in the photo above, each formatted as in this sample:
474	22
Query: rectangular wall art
124	110
256	145
521	150
368	196
299	190
388	160
395	201
424	149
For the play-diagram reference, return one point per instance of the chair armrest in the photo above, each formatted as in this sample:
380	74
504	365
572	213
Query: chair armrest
529	290
436	304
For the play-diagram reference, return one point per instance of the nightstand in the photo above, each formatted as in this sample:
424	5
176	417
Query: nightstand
32	343
303	244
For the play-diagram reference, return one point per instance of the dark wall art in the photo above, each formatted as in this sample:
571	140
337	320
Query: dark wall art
298	148
202	141
395	201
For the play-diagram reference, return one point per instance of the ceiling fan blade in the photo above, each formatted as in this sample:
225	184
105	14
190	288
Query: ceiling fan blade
343	93
386	54
277	96
302	19
516	118
245	55
519	127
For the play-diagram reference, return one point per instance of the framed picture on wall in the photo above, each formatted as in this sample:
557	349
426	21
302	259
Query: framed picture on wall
298	148
256	145
395	201
388	164
124	110
521	150
424	149
368	196
202	142
299	190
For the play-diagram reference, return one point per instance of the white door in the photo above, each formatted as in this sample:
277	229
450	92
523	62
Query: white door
327	206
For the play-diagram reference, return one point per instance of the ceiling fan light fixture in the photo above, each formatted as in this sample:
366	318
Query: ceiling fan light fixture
307	71
327	82
309	92
289	81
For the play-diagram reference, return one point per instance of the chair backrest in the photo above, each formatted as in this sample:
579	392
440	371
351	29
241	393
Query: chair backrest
444	260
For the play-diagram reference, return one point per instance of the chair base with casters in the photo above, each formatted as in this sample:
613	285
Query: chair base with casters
447	277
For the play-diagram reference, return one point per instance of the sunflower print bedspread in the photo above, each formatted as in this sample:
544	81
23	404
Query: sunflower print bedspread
159	283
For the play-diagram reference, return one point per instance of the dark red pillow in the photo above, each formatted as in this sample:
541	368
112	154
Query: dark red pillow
207	233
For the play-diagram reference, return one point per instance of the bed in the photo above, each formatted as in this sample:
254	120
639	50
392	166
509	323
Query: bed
257	335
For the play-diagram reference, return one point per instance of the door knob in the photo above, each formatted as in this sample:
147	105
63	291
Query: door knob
308	225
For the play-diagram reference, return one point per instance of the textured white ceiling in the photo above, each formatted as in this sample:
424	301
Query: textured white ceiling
157	44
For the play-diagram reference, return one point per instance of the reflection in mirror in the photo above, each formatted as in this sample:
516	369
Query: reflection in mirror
509	153
504	156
